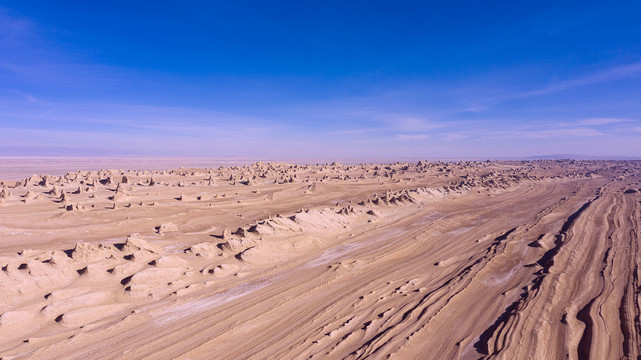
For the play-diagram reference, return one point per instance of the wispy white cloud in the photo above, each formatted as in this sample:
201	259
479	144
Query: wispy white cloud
125	116
358	131
612	74
603	121
409	123
14	31
554	133
34	59
491	91
456	136
224	142
405	137
527	133
604	124
402	115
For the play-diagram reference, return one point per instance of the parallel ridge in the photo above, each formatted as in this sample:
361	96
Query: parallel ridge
539	267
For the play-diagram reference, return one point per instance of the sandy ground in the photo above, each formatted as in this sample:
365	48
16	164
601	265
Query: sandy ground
427	260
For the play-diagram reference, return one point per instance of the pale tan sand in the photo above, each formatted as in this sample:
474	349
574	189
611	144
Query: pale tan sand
516	260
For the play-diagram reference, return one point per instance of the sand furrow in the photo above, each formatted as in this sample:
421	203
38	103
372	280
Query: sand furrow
424	260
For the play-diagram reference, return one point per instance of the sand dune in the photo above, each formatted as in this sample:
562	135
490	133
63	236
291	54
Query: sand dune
434	260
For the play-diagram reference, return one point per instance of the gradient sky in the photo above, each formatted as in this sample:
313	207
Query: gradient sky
320	79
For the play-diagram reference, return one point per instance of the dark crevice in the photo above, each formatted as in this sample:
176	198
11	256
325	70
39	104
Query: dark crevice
546	261
422	301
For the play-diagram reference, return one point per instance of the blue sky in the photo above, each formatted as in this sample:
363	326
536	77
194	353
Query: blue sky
320	79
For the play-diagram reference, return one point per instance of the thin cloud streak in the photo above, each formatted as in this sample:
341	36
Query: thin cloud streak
603	121
380	116
122	115
613	74
405	137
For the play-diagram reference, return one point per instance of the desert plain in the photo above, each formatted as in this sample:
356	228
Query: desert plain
406	260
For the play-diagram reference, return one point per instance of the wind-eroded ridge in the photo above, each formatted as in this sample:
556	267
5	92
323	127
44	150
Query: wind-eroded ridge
427	260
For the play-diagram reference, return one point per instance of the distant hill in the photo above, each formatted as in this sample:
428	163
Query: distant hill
581	157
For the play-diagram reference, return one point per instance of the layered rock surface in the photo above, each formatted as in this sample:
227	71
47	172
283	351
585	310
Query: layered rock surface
407	260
